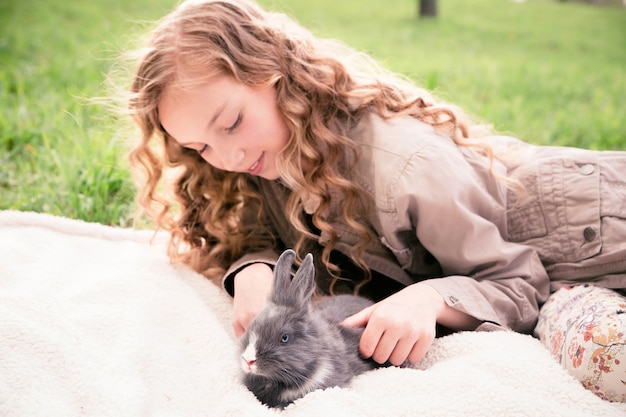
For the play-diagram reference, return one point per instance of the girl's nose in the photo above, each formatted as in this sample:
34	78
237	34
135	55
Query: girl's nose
227	157
232	159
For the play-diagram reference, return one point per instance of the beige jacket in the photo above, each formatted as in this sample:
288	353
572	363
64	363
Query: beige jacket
442	218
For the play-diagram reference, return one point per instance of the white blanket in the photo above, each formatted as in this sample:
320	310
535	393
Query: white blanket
94	321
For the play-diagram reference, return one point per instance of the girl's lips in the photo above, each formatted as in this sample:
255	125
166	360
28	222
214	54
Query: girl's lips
256	168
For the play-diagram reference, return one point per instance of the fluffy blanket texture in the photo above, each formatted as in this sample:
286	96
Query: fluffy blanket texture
94	321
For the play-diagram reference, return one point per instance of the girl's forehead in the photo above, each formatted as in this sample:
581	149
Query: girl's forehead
188	79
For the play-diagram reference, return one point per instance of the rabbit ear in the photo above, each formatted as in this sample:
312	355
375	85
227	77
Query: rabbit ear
282	277
303	283
297	291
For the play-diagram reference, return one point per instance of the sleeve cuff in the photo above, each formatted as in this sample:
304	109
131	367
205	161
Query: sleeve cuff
268	257
460	293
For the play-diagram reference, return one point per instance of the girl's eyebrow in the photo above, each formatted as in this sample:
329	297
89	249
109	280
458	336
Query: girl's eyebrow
219	111
217	114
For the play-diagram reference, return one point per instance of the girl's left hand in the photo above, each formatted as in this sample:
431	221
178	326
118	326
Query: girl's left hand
399	327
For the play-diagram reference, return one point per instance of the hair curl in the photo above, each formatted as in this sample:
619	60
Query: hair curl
323	88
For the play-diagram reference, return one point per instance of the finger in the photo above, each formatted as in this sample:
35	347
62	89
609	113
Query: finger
370	339
239	329
420	348
384	348
241	324
242	321
359	319
401	352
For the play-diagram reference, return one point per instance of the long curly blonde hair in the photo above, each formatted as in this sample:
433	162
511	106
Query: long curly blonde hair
323	89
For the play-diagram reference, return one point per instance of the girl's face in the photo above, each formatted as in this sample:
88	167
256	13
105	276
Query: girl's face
232	126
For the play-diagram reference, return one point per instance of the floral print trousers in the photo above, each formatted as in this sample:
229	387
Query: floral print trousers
584	327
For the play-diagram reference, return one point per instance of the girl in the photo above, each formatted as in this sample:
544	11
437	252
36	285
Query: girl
279	140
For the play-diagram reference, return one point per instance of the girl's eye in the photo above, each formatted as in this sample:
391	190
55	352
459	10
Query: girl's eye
203	149
284	338
235	125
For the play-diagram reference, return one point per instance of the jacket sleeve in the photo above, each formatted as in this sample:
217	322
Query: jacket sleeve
441	196
268	256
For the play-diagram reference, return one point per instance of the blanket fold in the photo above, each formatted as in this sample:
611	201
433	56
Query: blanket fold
95	321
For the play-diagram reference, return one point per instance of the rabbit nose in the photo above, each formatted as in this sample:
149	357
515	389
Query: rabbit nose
248	359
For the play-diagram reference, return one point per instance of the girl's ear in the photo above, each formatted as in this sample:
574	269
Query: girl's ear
282	278
303	283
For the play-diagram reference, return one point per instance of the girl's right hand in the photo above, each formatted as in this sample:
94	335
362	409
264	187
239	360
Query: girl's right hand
253	285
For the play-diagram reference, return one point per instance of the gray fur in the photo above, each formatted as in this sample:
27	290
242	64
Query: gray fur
316	353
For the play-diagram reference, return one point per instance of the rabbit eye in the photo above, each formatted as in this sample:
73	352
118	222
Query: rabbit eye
284	338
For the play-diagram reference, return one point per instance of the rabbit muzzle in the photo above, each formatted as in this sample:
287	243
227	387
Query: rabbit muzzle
248	358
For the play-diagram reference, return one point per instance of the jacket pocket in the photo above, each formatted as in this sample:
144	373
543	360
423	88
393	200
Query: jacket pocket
613	184
412	256
559	214
403	255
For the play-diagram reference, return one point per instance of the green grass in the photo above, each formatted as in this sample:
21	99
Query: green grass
59	153
548	72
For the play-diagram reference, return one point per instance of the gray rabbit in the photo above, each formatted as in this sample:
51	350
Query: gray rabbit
295	346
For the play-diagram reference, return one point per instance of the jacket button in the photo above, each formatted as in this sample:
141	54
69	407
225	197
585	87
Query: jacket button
453	299
587	169
589	234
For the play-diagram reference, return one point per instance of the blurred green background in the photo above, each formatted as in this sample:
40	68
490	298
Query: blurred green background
549	72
